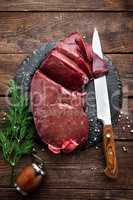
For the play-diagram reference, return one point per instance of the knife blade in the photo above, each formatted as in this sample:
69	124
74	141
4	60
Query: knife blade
103	113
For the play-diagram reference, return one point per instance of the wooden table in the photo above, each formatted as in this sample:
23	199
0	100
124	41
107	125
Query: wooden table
24	26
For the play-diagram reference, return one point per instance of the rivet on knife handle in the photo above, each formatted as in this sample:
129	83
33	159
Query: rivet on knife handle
111	169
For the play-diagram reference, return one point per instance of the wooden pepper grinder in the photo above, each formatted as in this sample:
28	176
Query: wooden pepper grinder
30	177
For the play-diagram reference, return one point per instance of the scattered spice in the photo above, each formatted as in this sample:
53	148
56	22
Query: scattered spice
131	131
123	128
34	150
125	149
42	149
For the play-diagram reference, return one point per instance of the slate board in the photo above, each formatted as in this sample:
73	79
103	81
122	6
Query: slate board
28	67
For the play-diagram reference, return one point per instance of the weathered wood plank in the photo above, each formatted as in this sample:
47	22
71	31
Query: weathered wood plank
82	169
23	32
122	130
5	78
124	63
65	194
10	62
63	5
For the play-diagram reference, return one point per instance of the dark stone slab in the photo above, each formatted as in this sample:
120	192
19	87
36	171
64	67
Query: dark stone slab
31	64
115	97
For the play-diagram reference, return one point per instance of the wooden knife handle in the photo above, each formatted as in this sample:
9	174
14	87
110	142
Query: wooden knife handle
111	169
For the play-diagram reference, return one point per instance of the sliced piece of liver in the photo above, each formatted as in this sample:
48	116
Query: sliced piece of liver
58	114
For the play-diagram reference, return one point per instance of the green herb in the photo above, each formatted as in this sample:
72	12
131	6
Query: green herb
17	138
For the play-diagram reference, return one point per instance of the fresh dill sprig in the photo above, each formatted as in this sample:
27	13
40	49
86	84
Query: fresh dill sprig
16	139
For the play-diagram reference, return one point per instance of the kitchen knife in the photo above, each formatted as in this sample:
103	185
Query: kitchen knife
103	113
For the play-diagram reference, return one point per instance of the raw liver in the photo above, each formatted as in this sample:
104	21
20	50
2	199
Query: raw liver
56	91
64	71
58	114
72	63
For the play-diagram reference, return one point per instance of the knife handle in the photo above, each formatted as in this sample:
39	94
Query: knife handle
111	169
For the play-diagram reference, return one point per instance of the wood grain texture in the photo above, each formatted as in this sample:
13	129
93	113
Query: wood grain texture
5	78
119	132
80	174
111	168
82	169
22	32
10	62
123	62
64	5
65	194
